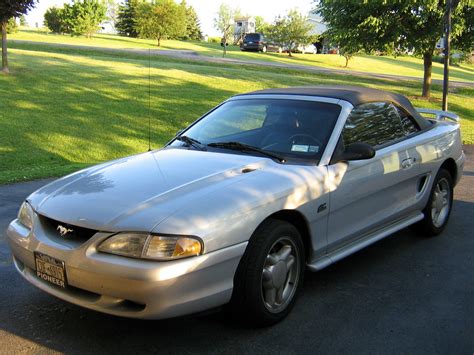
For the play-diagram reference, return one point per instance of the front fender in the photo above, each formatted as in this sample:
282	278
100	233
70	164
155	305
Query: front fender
231	214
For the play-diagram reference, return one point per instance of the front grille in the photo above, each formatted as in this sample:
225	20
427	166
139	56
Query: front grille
65	231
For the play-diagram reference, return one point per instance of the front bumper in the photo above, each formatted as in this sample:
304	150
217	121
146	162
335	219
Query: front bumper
252	47
124	286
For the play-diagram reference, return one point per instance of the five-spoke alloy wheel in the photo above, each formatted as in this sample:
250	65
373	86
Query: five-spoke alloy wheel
269	274
441	202
280	275
439	205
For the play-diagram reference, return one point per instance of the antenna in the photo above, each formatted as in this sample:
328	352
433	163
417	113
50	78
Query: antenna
149	99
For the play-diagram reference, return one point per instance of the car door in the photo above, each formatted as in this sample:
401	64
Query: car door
418	166
369	194
266	43
271	47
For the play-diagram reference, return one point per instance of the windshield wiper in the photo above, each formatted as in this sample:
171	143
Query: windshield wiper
191	142
246	148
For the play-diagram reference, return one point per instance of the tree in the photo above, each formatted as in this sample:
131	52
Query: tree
193	26
23	22
125	23
159	20
402	24
8	10
12	26
223	23
260	25
112	13
291	31
83	17
464	41
347	53
54	19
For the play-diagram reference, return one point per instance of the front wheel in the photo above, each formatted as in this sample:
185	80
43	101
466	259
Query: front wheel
439	206
269	275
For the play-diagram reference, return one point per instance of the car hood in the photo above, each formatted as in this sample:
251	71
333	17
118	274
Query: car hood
138	192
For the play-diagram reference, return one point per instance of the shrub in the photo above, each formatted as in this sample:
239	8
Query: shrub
82	17
12	26
55	20
214	40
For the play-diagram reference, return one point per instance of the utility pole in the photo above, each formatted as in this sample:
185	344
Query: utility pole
447	49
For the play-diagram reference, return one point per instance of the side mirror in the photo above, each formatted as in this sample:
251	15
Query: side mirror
357	151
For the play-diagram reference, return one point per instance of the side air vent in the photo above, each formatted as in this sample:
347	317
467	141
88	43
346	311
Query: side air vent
422	184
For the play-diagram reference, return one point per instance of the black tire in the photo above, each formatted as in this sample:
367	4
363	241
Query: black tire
249	302
429	226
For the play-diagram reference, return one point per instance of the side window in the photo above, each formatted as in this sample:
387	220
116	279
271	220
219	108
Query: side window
409	126
375	123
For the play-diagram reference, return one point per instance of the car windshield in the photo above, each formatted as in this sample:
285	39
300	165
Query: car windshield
291	129
253	37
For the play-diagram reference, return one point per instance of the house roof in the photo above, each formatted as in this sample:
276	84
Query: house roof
247	18
353	94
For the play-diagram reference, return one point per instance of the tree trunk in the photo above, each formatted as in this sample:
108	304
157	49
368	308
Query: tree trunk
289	52
428	65
347	61
223	44
4	48
159	40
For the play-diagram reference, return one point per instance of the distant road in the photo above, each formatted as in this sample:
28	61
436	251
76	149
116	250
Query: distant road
195	56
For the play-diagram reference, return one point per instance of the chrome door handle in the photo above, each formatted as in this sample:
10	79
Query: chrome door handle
408	163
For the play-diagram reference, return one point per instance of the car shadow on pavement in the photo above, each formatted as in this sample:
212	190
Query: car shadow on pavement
403	294
379	298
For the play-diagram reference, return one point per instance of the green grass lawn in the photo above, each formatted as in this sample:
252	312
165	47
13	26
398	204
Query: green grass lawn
64	111
405	65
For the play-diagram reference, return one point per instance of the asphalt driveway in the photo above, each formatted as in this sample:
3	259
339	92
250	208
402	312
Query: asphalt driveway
405	294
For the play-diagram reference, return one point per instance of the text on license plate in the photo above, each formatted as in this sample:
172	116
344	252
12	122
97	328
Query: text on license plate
50	269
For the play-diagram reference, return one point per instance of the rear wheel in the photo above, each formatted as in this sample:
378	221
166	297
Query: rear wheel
439	206
269	275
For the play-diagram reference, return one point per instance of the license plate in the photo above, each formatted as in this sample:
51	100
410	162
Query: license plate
50	269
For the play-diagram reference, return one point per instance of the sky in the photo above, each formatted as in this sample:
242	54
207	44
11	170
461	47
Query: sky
206	10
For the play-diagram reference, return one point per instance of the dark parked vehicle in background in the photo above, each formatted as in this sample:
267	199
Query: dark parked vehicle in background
258	42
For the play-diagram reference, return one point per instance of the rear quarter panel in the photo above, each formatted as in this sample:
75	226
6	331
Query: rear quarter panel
431	149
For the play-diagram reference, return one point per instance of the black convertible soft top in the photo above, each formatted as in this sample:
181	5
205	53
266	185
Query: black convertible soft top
353	94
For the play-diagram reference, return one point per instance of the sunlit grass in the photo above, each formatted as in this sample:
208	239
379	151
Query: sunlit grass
404	65
61	112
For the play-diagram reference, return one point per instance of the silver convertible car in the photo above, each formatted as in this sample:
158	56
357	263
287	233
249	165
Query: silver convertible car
238	205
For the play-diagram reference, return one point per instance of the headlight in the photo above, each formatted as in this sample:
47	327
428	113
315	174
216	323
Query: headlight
25	215
149	246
